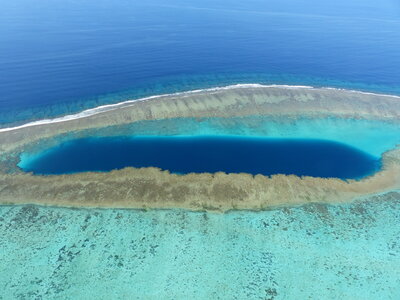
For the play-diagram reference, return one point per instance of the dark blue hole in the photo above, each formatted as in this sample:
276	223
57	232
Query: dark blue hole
318	158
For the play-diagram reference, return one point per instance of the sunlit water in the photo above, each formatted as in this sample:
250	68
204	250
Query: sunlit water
347	251
62	57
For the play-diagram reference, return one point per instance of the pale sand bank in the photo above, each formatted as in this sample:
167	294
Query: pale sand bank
152	188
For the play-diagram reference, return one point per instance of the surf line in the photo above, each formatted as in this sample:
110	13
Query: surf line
110	107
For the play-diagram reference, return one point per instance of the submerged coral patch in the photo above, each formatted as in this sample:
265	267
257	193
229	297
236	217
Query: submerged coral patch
365	121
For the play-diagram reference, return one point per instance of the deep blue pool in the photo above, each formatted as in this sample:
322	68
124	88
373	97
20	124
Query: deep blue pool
319	158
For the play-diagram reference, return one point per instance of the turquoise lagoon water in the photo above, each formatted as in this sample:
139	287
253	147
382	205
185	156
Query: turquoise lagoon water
348	251
62	57
182	155
372	136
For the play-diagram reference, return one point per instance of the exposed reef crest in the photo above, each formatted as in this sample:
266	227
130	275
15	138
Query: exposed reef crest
153	188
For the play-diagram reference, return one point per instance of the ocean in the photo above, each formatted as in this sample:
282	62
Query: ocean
62	57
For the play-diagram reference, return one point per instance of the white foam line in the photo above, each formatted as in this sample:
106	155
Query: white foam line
110	107
361	92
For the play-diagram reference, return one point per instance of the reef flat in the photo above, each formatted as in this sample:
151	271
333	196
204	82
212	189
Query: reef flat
154	188
314	251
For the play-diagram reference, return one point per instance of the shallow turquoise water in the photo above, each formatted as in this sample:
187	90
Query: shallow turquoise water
63	57
372	136
349	251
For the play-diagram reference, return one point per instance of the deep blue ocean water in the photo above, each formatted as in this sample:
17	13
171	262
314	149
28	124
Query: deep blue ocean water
59	57
302	157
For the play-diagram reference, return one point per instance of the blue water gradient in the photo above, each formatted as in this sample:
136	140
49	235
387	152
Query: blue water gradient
59	57
182	155
348	251
374	137
62	57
